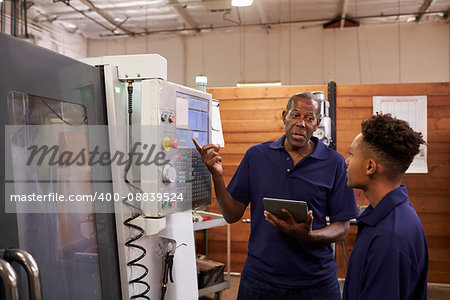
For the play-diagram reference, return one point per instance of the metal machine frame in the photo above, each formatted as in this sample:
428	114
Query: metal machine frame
36	71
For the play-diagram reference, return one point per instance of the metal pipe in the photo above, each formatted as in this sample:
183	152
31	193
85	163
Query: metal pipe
4	16
19	19
1	16
29	264
9	279
425	6
332	101
228	252
344	13
15	17
12	17
25	17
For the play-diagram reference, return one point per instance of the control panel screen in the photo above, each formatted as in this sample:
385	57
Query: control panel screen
193	178
192	120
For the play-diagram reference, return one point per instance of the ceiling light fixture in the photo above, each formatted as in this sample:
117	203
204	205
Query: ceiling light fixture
241	3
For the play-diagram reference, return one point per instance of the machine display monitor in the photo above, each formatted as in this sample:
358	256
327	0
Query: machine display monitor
192	120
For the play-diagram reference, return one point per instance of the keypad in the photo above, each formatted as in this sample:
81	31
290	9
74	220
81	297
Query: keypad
193	179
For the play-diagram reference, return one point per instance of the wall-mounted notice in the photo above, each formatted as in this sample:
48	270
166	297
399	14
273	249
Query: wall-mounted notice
412	109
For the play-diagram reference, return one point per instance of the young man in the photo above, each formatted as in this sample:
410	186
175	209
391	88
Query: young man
390	257
288	260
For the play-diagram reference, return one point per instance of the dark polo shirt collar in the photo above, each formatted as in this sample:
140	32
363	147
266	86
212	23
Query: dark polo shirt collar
320	150
371	216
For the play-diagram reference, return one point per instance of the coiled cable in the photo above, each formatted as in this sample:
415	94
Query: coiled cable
136	211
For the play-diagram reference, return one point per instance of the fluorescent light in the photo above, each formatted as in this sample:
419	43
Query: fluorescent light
70	25
201	79
241	2
255	84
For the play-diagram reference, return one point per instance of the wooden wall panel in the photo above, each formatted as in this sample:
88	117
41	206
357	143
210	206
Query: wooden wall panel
253	115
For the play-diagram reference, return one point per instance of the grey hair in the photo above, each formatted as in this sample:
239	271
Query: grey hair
306	95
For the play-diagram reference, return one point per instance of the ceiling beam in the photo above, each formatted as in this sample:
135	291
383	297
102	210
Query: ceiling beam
336	23
130	5
106	17
262	13
181	10
343	13
426	4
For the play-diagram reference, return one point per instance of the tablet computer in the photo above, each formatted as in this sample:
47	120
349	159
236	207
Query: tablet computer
298	209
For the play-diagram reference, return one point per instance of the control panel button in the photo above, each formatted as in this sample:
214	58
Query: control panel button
170	143
169	174
163	117
171	118
166	141
173	143
172	203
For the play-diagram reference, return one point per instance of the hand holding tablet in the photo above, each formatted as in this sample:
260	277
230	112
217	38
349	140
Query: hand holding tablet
298	209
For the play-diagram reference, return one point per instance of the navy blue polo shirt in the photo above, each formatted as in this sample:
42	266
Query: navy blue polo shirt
267	170
390	258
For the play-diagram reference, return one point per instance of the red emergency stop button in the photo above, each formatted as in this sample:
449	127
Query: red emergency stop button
173	143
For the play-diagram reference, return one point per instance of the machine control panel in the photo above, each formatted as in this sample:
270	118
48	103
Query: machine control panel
180	113
193	178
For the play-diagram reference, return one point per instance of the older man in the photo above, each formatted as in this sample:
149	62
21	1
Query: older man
288	260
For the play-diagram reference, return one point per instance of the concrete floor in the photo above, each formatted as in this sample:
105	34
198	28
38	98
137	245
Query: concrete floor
436	291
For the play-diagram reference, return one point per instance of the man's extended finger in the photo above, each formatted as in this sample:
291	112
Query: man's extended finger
197	145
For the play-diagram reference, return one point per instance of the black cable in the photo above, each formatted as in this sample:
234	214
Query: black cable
229	20
163	292
167	272
126	202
